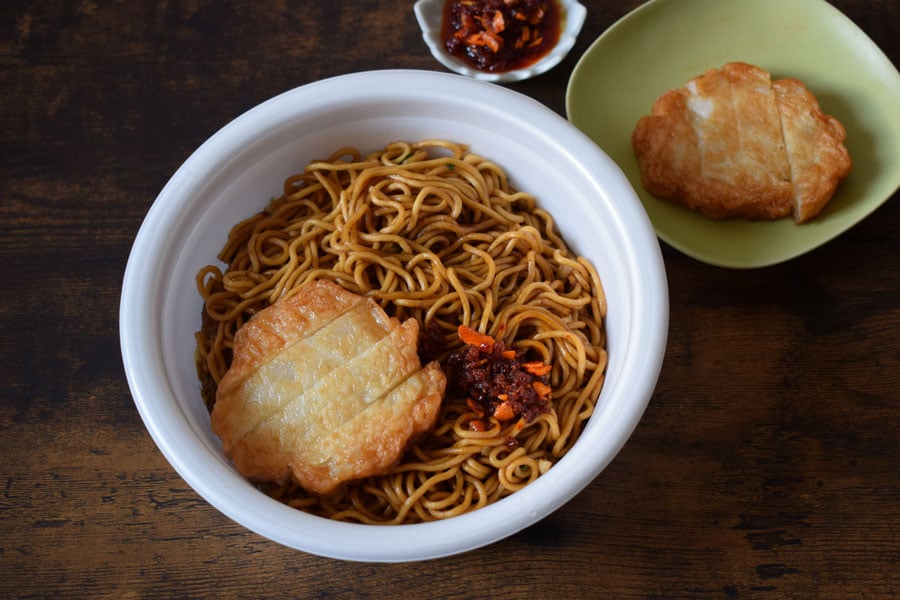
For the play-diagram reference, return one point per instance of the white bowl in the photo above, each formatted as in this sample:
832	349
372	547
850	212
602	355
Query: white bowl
233	175
429	14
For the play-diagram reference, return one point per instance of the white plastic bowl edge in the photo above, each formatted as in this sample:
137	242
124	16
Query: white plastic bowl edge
232	176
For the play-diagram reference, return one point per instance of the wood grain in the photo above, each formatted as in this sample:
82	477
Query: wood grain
764	467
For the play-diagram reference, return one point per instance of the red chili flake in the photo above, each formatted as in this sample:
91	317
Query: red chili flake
496	383
474	338
500	35
536	367
431	343
498	23
477	425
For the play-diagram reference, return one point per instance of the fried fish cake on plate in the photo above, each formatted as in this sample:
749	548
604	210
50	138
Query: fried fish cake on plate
815	145
732	143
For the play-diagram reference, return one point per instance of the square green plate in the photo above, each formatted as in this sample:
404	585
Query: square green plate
664	43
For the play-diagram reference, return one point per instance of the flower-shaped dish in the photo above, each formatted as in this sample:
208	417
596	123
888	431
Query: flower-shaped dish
429	14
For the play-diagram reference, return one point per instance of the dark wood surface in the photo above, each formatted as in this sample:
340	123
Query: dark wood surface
766	465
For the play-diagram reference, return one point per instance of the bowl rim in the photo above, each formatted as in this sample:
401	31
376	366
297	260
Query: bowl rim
140	322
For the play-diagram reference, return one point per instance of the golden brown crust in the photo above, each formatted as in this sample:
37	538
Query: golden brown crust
374	440
667	149
267	347
719	145
287	437
328	389
815	146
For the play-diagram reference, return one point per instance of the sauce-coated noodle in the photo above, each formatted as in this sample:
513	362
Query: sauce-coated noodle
435	233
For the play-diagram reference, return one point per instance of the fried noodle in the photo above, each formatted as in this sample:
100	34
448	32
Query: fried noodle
436	233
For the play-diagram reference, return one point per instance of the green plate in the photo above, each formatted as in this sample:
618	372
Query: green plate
664	43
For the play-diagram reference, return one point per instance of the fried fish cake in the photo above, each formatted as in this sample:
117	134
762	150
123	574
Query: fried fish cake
815	147
733	144
337	402
282	350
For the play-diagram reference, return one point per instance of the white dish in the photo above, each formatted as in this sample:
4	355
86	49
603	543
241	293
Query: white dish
236	172
429	14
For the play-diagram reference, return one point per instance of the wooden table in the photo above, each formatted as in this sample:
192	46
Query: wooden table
766	465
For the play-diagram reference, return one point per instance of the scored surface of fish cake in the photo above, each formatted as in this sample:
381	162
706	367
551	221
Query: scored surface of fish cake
295	368
727	146
374	439
320	307
267	452
815	147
